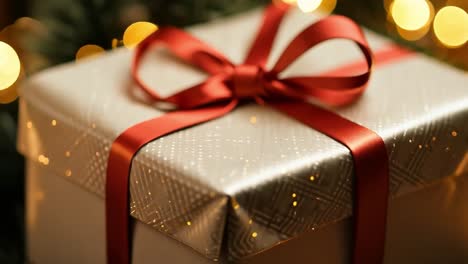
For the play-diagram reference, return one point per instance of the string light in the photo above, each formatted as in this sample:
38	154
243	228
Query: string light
88	51
308	6
114	43
10	66
327	6
9	95
413	35
137	32
410	14
10	72
451	26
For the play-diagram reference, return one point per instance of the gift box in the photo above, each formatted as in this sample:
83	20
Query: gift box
255	185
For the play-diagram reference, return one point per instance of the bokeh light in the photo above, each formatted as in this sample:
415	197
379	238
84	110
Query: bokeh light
308	6
291	2
451	26
410	14
9	95
88	51
114	43
413	35
327	6
10	66
137	32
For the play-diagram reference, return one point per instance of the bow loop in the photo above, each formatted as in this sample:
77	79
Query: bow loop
332	27
338	89
187	48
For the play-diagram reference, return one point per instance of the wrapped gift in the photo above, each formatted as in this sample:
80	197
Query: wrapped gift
254	185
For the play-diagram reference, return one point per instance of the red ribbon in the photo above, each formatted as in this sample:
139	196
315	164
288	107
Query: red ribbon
228	84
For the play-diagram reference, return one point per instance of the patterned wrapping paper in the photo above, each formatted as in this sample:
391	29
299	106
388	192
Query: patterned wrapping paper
238	185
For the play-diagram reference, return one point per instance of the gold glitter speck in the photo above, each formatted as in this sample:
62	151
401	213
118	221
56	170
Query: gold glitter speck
67	154
294	195
253	119
235	204
295	203
454	133
312	178
250	221
68	173
420	146
189	223
29	124
43	159
434	138
54	122
254	234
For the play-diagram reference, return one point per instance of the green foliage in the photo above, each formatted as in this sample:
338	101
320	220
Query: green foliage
74	23
71	24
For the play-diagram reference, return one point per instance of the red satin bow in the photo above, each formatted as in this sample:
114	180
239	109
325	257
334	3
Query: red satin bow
228	84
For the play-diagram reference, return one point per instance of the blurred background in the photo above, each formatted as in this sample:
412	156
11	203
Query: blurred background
36	34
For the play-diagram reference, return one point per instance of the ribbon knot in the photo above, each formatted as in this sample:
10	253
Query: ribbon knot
247	82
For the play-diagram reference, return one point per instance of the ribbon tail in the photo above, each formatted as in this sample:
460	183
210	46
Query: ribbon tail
371	175
263	43
121	155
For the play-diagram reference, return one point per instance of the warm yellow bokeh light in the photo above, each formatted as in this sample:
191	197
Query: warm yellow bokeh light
10	66
327	6
410	14
308	6
291	2
451	26
114	43
413	35
137	32
9	95
88	51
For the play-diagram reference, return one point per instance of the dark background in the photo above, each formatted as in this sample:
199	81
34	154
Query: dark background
11	164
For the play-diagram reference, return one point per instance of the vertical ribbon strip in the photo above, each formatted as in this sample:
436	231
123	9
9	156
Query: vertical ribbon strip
228	84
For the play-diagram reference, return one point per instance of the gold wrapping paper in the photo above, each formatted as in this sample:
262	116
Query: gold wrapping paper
241	184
